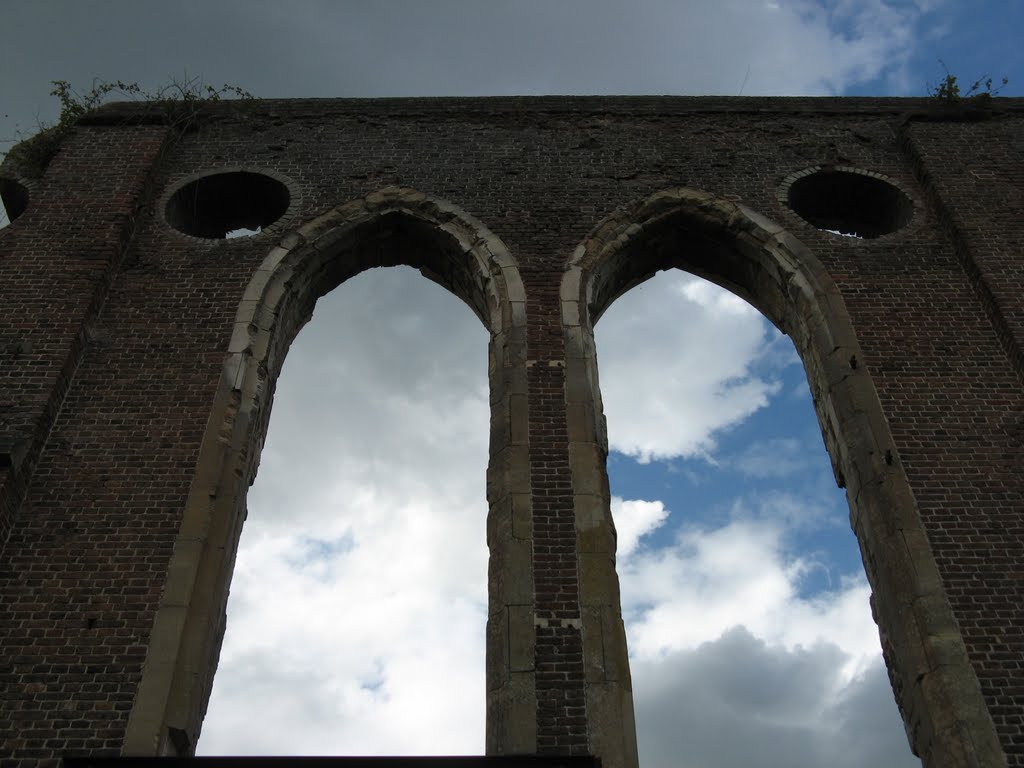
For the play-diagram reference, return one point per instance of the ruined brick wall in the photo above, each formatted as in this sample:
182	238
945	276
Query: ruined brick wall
115	329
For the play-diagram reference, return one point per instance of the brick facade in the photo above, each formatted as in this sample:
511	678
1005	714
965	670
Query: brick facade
137	366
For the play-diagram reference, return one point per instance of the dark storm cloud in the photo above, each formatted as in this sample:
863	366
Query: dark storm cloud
737	702
355	49
447	47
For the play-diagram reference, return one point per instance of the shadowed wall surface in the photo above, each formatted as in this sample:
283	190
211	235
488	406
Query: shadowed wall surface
139	350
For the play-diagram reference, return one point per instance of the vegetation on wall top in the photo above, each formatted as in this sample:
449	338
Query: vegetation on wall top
179	100
981	91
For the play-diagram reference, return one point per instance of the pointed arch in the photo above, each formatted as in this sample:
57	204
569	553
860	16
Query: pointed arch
389	227
938	693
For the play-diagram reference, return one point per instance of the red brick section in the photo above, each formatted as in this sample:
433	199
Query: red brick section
113	360
561	697
980	207
56	264
972	172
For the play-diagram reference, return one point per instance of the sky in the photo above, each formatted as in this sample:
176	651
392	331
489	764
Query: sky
356	621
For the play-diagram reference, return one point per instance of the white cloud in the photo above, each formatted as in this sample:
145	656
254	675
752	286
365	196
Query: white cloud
774	457
725	635
742	572
347	655
359	591
676	357
738	701
809	505
739	574
634	519
387	412
722	641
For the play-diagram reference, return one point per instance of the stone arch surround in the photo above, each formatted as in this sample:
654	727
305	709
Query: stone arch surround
936	688
114	330
389	227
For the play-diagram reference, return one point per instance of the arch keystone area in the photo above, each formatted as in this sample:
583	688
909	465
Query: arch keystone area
936	688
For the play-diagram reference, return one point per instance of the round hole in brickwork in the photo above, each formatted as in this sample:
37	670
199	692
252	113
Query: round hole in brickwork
14	200
232	204
848	201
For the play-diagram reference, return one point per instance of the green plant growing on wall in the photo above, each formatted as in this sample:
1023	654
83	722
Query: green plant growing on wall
948	90
179	100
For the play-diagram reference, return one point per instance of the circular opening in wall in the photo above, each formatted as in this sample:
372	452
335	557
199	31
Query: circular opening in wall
233	204
850	202
13	199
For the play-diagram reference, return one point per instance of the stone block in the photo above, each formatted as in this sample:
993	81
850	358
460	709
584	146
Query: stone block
587	462
521	638
599	585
